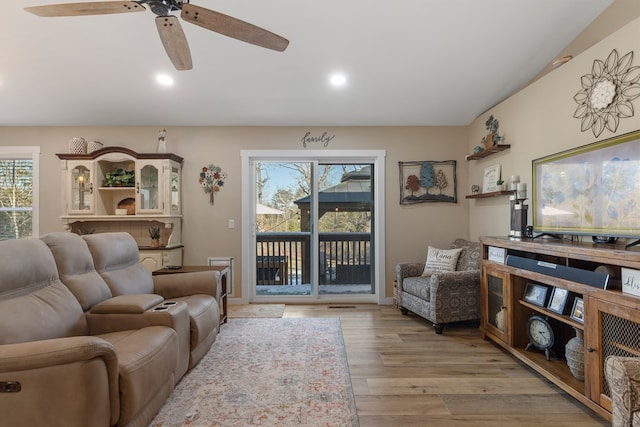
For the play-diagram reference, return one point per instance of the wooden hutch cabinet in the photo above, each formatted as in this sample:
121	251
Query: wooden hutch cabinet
117	189
611	321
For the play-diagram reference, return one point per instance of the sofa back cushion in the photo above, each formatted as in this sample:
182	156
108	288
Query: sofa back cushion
34	304
469	258
76	269
116	258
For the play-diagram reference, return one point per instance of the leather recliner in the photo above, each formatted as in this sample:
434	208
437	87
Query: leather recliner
117	260
105	312
55	370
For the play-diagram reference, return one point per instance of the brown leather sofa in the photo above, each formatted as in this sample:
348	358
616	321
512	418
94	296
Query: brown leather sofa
116	259
72	354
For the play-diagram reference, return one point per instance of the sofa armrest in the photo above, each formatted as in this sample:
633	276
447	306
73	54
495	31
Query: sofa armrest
623	376
127	304
463	287
185	284
54	373
173	314
408	269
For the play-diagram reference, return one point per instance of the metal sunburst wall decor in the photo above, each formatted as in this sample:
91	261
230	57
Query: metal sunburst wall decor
607	93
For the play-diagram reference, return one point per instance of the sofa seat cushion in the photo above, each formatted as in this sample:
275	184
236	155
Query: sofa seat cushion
147	359
418	286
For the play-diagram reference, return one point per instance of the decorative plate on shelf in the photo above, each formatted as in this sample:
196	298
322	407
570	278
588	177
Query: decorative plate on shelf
129	204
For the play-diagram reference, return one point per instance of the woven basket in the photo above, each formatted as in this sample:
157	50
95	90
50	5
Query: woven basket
129	204
77	145
93	146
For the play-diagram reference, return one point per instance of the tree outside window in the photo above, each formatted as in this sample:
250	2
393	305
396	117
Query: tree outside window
17	195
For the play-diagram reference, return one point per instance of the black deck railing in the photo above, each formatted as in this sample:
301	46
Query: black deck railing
285	258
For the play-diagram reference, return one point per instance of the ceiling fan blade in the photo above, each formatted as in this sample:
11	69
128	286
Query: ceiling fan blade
174	41
86	8
232	27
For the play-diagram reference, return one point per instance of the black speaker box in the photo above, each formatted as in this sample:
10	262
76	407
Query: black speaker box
586	277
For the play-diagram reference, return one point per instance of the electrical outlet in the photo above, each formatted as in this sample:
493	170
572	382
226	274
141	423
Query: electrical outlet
232	223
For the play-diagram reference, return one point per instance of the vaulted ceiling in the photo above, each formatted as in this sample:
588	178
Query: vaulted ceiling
407	62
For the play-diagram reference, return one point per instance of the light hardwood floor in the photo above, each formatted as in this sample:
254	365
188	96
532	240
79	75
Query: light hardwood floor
403	374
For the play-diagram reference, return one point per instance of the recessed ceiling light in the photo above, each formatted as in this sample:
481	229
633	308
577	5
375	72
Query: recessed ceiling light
338	80
164	80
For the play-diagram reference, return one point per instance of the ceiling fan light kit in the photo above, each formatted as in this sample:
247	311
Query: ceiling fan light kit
169	28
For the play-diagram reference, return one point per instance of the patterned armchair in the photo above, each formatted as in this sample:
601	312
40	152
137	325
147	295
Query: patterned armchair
442	297
623	376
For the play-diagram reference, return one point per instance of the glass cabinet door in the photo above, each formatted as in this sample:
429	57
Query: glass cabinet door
494	300
147	188
174	193
81	188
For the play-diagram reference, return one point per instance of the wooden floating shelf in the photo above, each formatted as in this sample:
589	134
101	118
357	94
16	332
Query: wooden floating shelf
488	151
492	194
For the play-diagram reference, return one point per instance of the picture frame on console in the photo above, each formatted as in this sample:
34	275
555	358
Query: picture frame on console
558	300
577	311
536	294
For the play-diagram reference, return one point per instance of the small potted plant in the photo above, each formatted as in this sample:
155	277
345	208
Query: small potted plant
154	233
500	185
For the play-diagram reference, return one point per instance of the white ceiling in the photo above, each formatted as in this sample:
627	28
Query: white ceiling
408	62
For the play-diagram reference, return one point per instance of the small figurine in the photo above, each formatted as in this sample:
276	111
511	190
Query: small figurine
162	143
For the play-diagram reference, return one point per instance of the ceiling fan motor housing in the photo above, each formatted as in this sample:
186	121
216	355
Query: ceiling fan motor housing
163	7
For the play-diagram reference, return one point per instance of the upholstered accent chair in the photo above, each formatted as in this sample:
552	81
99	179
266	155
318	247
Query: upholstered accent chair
442	297
623	376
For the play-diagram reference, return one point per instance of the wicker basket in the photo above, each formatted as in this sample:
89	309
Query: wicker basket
77	145
93	146
129	204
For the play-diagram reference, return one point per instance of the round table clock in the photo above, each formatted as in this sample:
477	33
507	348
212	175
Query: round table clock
540	335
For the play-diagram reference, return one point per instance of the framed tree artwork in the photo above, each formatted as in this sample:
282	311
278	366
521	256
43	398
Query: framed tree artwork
428	181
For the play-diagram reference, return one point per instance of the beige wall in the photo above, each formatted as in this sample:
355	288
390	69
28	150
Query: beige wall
409	229
538	121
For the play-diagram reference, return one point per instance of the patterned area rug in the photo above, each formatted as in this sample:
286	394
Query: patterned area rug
255	310
267	372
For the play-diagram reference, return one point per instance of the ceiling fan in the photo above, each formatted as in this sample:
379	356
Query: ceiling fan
169	28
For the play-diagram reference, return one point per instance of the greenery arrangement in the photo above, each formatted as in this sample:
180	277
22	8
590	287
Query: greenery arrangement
154	233
119	178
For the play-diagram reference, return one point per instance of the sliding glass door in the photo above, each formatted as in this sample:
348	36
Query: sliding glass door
345	244
312	224
284	250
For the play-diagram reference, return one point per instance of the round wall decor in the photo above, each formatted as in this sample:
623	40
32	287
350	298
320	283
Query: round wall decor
607	93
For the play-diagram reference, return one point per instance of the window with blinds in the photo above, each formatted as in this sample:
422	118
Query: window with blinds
17	193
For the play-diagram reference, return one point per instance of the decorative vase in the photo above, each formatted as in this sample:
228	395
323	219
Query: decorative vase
574	352
77	145
155	243
500	319
93	146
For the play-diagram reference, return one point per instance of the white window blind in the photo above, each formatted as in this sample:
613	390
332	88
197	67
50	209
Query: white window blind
18	192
